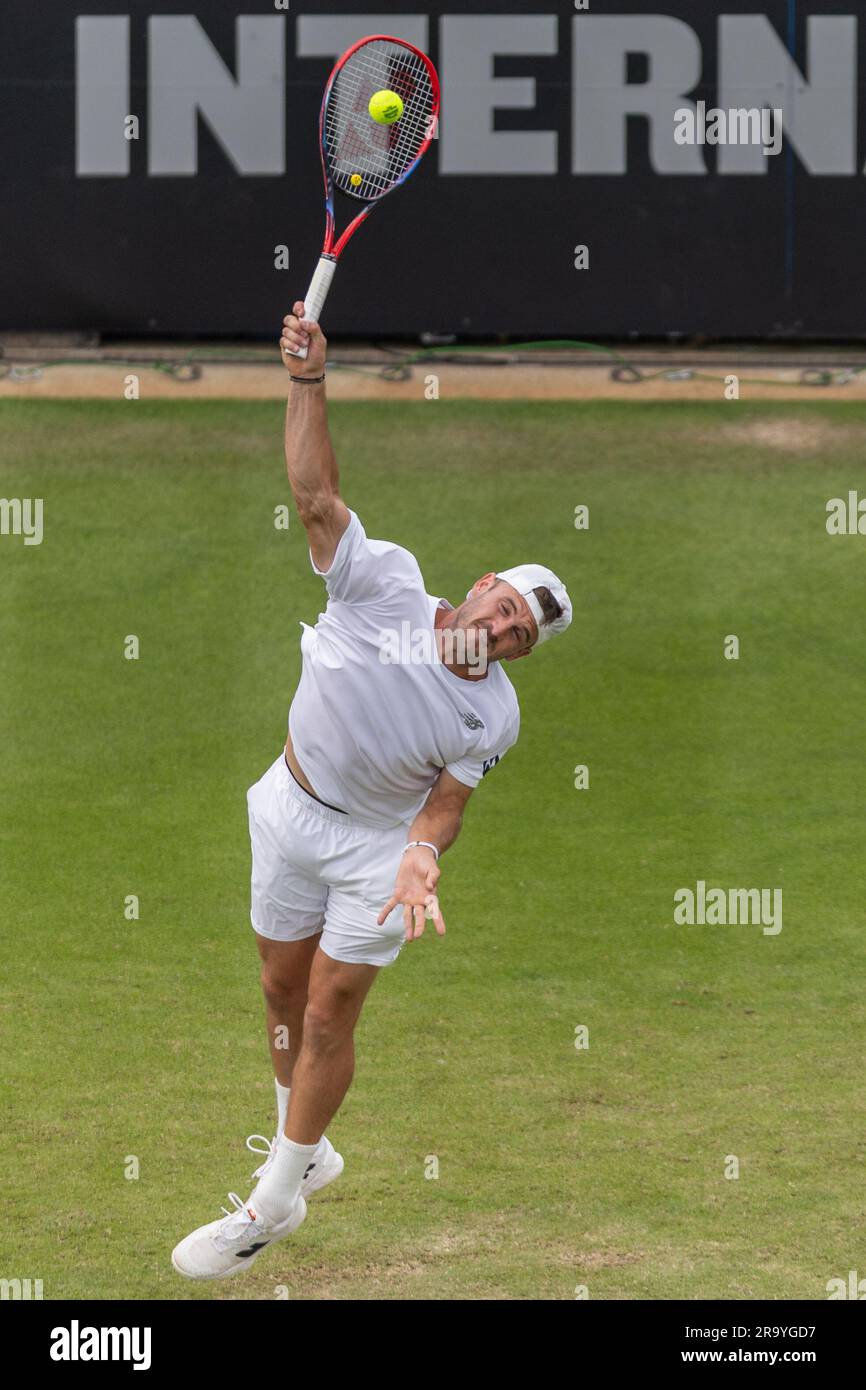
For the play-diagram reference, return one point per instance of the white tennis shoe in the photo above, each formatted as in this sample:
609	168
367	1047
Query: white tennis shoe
325	1165
233	1243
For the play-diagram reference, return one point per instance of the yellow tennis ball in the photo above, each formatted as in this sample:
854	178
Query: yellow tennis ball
355	179
385	107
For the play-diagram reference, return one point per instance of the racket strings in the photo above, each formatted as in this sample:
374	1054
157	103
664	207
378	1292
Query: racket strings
367	159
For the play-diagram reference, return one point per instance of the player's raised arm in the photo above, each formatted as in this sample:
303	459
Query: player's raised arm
310	460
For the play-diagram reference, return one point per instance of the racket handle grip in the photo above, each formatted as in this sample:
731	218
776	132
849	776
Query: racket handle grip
314	299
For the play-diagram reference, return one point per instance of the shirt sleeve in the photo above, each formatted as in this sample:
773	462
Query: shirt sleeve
363	571
470	770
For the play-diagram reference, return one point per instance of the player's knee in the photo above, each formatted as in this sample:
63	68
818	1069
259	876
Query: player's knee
282	990
328	1020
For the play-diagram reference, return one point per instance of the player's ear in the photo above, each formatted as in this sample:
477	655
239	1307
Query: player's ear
484	583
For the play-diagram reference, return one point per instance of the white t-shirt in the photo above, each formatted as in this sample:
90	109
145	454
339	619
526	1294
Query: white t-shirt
370	734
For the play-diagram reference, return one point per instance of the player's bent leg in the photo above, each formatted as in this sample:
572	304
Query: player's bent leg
285	979
322	1075
352	948
326	1064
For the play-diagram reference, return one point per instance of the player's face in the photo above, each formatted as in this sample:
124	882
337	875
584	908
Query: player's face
496	608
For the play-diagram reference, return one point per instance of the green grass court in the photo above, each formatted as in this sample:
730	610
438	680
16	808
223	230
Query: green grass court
557	1168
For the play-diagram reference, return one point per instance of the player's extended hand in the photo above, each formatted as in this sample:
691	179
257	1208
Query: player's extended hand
416	890
299	332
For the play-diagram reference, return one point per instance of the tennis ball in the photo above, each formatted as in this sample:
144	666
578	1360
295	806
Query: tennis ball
354	180
385	107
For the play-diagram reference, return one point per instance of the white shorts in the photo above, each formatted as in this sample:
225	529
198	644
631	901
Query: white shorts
317	870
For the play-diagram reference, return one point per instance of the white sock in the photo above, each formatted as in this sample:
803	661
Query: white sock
283	1093
278	1190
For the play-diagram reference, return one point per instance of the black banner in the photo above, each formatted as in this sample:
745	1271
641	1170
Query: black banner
118	1337
602	169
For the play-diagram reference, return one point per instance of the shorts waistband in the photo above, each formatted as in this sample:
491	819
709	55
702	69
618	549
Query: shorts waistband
312	803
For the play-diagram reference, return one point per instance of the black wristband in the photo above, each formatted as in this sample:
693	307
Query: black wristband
308	380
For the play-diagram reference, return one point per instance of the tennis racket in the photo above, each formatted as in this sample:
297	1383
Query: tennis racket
361	157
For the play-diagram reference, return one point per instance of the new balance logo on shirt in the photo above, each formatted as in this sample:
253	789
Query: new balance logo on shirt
471	720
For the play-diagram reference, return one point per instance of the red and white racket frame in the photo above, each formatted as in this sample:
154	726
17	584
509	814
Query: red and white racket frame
317	293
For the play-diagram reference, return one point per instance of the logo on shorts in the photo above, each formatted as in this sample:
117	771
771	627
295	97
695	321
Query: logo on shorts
471	720
489	763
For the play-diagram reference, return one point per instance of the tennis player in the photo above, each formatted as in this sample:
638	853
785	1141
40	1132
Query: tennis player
387	740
